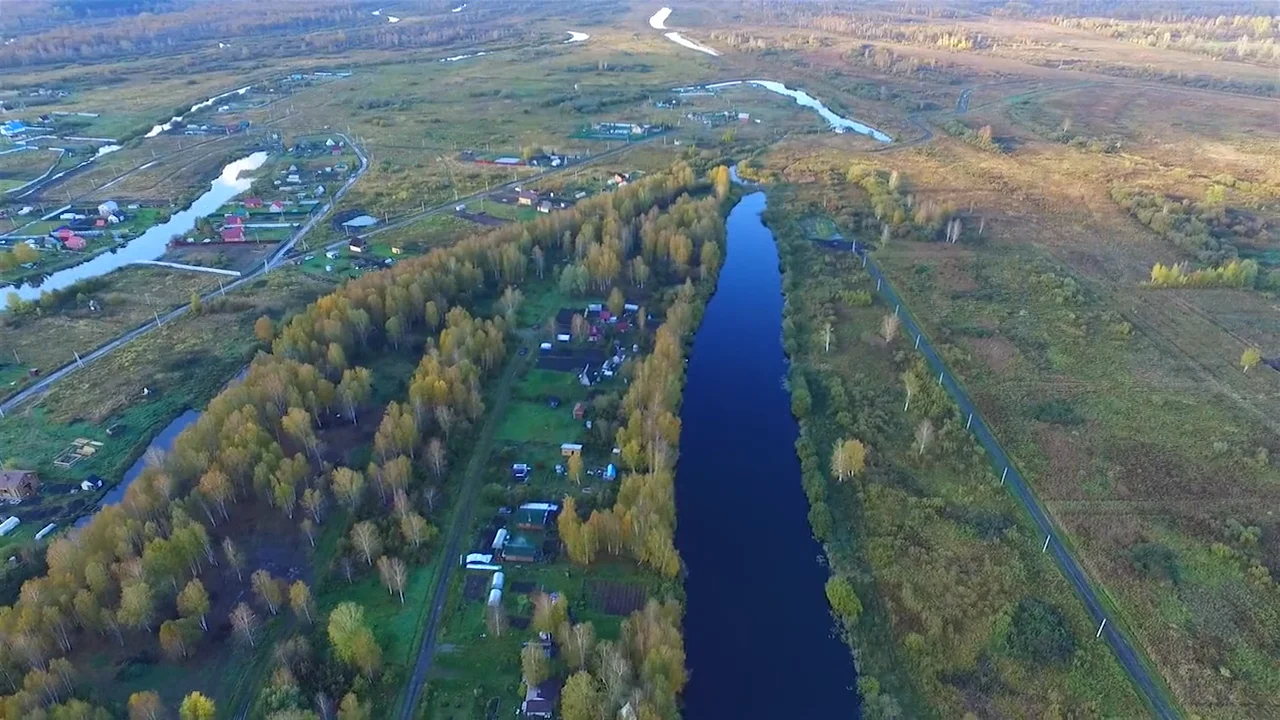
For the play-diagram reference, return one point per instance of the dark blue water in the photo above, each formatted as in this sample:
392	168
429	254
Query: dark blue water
758	632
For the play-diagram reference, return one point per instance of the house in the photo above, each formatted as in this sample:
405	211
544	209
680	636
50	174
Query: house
63	233
579	411
540	701
277	206
358	245
534	516
13	127
397	250
519	548
75	242
319	191
233	233
108	208
17	485
544	206
527	197
253	203
570	449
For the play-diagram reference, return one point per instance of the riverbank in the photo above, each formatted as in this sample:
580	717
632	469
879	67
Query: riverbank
962	612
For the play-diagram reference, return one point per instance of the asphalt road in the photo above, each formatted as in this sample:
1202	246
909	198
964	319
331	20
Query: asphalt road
1147	686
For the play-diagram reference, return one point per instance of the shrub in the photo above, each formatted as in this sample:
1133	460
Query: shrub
1039	633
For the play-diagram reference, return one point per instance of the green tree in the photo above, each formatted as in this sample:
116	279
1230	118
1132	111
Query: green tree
300	600
535	668
353	642
848	458
145	706
196	305
137	606
352	709
617	302
843	599
582	698
196	706
193	602
1250	359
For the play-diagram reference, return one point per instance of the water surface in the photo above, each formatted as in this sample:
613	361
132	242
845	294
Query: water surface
758	632
151	244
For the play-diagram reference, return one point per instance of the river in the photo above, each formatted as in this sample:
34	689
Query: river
151	244
758	632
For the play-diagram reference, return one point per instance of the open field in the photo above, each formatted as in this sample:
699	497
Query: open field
139	388
124	300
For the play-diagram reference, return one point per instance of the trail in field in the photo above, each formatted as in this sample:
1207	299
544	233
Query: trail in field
575	36
456	58
659	22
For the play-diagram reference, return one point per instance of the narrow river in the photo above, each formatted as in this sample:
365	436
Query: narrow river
758	632
151	244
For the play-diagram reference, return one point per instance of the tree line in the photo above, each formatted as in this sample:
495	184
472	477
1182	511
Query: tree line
141	567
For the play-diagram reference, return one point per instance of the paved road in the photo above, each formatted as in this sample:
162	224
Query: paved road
160	320
461	524
1149	686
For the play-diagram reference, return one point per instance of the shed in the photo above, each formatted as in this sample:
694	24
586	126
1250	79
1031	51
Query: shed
563	337
108	208
495	597
544	206
18	484
526	197
570	449
8	525
579	410
499	539
498	580
44	531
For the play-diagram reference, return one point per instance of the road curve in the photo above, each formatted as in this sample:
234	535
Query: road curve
1148	685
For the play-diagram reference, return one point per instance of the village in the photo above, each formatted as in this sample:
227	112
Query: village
555	444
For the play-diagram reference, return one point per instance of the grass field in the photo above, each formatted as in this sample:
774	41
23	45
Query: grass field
140	388
129	298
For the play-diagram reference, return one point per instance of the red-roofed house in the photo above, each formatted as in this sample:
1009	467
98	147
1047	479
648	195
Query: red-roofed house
75	242
233	220
63	233
233	233
277	206
253	202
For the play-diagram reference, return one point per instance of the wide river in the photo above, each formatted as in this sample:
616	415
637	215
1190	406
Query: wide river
758	632
151	244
